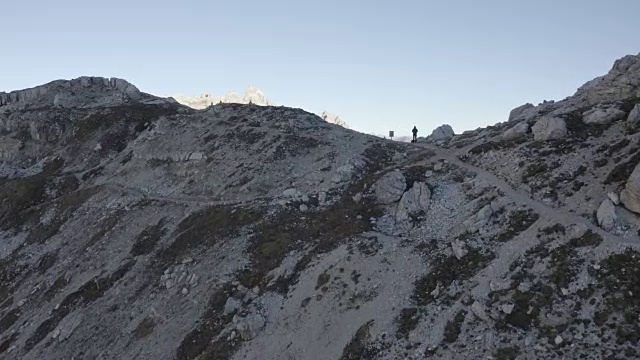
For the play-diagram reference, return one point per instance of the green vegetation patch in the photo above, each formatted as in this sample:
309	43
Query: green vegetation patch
453	327
406	322
146	241
357	348
519	221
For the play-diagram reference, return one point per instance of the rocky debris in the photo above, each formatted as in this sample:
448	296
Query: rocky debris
249	326
480	219
606	215
413	202
293	194
634	116
390	187
499	285
519	111
507	308
602	116
558	340
630	196
178	275
232	305
517	131
577	231
479	310
549	128
442	132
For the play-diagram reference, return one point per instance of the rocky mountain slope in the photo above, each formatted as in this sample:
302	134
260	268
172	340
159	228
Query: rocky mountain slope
133	227
251	96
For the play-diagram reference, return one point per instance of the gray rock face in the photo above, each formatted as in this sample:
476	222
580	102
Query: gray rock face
602	116
442	132
518	131
517	112
634	116
607	215
414	201
549	128
630	196
390	187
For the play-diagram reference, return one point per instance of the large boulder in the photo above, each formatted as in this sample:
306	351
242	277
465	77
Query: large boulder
549	128
602	116
250	326
442	132
634	116
413	202
607	215
517	112
630	196
389	188
518	131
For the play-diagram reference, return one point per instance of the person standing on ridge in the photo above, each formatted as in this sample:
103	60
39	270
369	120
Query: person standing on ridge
415	134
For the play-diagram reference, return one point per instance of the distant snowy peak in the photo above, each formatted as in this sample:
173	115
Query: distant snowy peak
252	95
334	119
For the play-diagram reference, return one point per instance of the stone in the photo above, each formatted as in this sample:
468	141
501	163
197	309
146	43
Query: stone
304	208
601	116
634	116
507	308
438	166
558	340
549	128
459	249
292	193
496	285
413	202
630	196
428	173
250	326
479	311
357	197
614	198
231	305
607	215
518	131
169	284
390	188
185	291
517	112
322	197
485	213
577	231
442	132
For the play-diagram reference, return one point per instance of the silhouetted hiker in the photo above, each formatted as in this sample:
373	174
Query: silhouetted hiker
415	134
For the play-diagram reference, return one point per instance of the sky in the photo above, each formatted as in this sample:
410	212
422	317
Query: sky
379	65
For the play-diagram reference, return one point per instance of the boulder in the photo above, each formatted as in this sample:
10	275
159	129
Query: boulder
518	131
414	201
231	305
601	116
607	215
634	116
517	112
442	132
390	188
630	196
249	327
459	249
549	128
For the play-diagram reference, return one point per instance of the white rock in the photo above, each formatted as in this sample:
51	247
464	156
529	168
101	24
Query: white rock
169	284
507	308
231	305
428	173
390	188
322	197
517	112
459	249
304	208
414	201
607	215
614	198
442	132
558	340
630	196
577	231
438	166
250	326
602	115
499	285
185	291
517	131
634	116
549	128
479	311
98	147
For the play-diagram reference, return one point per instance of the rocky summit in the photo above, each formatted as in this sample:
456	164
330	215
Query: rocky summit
134	227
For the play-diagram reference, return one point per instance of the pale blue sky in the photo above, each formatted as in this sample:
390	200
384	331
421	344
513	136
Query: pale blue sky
379	65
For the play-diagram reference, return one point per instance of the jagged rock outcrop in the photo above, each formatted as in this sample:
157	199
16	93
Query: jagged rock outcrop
390	188
413	202
517	112
442	132
517	131
602	116
630	196
634	116
549	128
